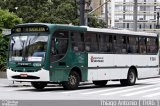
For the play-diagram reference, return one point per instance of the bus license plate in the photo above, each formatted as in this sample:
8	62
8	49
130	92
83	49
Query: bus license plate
23	75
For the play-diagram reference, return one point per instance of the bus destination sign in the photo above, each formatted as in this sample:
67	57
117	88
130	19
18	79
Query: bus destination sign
30	29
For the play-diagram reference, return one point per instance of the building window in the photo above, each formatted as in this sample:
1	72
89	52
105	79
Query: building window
150	26
140	26
127	25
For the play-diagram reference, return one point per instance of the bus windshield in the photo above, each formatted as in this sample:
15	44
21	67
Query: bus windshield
28	47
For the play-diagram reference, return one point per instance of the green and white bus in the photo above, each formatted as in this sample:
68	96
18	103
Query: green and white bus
65	54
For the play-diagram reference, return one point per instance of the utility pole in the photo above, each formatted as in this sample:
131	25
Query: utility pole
135	15
158	20
106	13
82	3
158	16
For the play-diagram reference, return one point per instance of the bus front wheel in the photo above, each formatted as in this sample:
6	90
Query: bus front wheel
39	85
73	81
131	78
100	83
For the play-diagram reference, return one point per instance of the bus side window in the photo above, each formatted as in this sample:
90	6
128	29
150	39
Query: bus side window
121	44
142	45
77	41
124	44
105	43
102	44
91	44
132	44
151	45
59	45
110	43
117	43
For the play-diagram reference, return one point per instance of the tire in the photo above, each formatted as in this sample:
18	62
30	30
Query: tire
131	78
39	85
73	81
100	83
123	82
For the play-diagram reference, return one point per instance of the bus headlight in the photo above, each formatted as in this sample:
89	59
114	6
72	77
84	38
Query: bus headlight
37	64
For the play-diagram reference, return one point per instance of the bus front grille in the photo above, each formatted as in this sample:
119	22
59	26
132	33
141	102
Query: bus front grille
28	77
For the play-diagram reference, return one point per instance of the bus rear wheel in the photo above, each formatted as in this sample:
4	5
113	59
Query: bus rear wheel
131	78
73	81
39	85
100	83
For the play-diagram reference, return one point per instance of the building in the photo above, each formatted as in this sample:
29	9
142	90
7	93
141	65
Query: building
146	14
121	14
96	4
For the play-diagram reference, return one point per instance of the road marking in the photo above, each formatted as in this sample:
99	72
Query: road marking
94	91
157	81
99	91
150	79
140	92
152	95
127	90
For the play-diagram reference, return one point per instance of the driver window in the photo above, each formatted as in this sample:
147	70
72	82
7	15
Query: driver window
59	45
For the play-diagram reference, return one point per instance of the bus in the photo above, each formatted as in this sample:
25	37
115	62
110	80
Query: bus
43	53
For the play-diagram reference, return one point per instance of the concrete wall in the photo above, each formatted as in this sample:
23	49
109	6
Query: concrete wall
3	75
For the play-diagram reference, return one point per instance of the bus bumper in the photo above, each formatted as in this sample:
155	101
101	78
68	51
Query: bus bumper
41	75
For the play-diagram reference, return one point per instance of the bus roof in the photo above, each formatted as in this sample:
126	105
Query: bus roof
120	31
61	26
86	28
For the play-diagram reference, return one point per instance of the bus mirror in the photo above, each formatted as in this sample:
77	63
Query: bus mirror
56	44
54	49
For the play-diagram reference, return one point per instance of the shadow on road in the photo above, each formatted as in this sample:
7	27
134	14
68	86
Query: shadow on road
59	88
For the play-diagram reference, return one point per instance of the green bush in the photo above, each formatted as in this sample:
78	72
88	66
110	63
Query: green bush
7	21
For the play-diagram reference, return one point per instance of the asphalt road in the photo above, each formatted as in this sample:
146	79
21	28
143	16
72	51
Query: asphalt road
148	89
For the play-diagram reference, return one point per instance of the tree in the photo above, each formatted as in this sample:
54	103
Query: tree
95	22
48	11
7	20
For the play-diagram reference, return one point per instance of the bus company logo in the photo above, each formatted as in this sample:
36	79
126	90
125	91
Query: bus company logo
96	59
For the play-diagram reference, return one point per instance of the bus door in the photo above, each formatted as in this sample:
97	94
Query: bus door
78	55
77	42
59	47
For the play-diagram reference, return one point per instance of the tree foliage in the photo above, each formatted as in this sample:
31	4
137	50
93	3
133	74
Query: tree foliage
7	20
48	11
